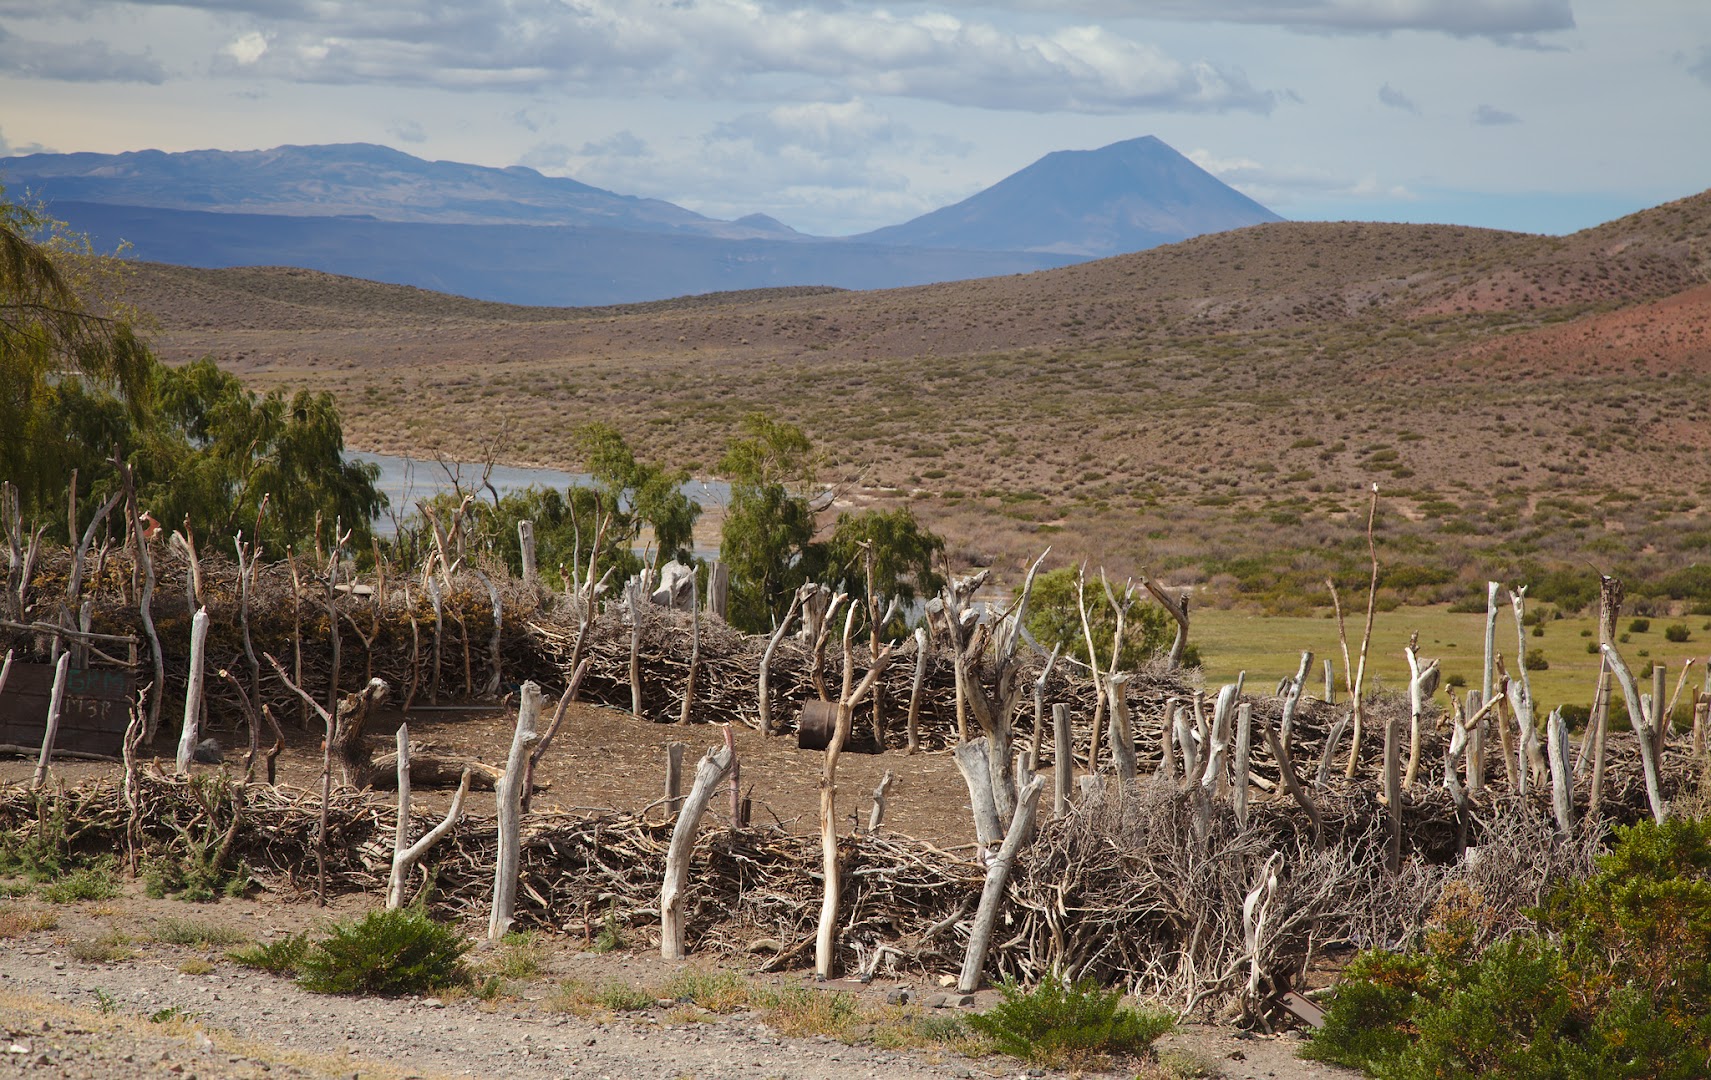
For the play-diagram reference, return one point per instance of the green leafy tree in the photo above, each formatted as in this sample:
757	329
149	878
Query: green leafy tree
639	494
904	551
1054	616
58	319
770	521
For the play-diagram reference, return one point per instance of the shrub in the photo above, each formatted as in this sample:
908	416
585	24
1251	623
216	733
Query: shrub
96	881
1640	626
280	957
1676	632
1535	660
1059	1024
1612	980
387	953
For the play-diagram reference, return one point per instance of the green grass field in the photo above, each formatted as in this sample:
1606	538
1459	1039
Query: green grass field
1269	647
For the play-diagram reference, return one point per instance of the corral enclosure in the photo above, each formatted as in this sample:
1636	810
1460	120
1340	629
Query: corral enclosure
1208	844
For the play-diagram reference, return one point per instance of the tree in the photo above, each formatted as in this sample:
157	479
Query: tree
639	493
903	551
56	318
770	521
1054	616
77	383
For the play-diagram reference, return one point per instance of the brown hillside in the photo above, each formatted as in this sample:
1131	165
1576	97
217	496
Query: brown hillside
1214	408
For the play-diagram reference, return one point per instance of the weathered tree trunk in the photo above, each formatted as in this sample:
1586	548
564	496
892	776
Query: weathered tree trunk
684	715
507	794
1122	734
876	816
914	728
406	855
1562	780
708	776
526	544
438	600
992	893
1292	701
1063	760
635	594
193	691
1244	747
1393	795
673	778
719	590
1422	684
976	769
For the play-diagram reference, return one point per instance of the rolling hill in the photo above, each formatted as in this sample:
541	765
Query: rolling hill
1212	410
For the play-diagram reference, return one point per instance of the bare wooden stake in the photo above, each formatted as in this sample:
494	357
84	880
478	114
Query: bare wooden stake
971	761
1292	700
1422	684
684	715
1244	744
1122	734
764	691
673	778
507	794
526	544
1063	760
914	729
56	699
1641	716
406	855
193	691
876	816
709	774
1562	780
992	893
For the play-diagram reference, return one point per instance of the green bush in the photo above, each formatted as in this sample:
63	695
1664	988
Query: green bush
1535	660
1613	979
1062	1025
280	957
1676	632
386	953
1640	626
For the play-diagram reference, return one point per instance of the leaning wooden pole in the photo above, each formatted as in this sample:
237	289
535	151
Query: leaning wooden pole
55	700
507	793
992	893
708	776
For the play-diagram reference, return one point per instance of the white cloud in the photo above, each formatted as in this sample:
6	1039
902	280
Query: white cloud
843	130
409	131
1492	116
737	48
1506	21
247	49
1279	187
12	149
1701	68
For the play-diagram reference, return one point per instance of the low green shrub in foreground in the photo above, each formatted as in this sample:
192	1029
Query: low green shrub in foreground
1068	1025
1613	980
385	953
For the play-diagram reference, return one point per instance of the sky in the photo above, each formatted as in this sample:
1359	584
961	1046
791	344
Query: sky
839	116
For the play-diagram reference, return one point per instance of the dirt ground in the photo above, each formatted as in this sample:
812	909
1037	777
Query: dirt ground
69	1012
603	759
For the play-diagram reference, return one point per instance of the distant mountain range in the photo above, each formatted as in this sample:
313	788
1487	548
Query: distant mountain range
515	235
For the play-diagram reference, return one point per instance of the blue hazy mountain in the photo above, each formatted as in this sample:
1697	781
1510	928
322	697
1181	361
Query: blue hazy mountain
1125	197
516	235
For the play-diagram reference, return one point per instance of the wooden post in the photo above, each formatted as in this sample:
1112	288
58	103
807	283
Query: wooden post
709	774
763	691
494	680
1476	751
406	855
1475	708
1035	742
876	816
1063	760
1562	780
1122	734
971	761
825	938
193	691
718	589
526	544
1092	670
684	714
438	599
508	795
673	778
1244	745
55	699
635	594
914	729
1422	684
1292	701
992	893
1530	763
1393	795
1330	685
145	596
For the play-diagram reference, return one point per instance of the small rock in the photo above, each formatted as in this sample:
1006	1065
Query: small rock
203	1043
43	1060
18	1048
964	1001
208	752
766	945
937	1001
433	1003
947	980
900	997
